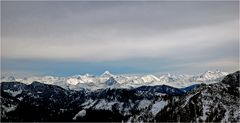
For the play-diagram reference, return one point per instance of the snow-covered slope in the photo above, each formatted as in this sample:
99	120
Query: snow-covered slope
123	81
210	76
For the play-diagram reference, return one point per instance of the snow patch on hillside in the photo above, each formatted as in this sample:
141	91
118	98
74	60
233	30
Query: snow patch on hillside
143	104
13	93
158	106
81	113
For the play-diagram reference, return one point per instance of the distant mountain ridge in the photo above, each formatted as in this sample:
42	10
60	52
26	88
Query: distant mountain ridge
92	82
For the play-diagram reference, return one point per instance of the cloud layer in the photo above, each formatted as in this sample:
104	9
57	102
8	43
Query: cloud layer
194	32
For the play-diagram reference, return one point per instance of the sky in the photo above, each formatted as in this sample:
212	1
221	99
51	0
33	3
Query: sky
68	38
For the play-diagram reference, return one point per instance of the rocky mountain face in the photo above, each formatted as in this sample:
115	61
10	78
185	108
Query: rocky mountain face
197	103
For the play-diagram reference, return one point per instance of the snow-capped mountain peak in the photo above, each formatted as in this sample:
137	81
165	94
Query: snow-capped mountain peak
169	74
211	75
214	72
74	81
87	74
107	73
150	78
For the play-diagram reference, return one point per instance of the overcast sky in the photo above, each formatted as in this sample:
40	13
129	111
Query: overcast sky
67	38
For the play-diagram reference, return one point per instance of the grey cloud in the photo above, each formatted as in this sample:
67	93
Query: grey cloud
189	41
108	31
44	19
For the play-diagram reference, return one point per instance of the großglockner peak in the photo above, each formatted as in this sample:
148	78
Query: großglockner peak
106	74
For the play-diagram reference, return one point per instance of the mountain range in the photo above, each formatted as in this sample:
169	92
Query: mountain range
38	101
108	80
